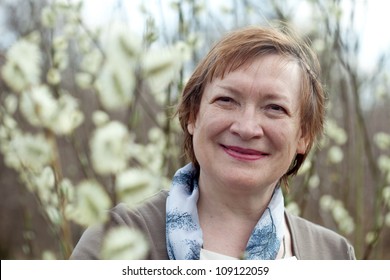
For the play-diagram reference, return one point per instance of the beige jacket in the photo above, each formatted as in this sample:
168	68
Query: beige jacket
309	241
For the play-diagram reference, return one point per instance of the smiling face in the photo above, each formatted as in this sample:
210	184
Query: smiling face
247	130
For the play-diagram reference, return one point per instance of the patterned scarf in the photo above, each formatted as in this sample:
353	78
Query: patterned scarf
184	235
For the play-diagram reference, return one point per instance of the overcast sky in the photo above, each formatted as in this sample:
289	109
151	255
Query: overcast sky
373	20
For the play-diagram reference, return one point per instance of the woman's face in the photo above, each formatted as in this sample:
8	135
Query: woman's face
248	130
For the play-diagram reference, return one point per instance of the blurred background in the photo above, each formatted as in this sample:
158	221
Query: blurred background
88	92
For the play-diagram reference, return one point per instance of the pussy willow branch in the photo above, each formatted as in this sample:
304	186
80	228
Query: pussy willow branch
341	53
65	230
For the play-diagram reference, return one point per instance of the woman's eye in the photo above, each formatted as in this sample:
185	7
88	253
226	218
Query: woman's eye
225	99
276	108
225	102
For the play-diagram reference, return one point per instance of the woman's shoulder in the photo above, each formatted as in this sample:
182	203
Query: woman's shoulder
148	217
313	241
152	208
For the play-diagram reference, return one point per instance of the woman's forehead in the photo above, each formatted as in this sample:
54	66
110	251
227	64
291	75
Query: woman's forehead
222	68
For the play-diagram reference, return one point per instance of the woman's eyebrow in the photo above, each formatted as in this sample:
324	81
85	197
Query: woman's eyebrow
229	88
275	96
232	89
268	95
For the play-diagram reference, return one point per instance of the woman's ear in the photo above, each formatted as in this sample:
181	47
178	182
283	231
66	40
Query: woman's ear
191	124
190	128
303	143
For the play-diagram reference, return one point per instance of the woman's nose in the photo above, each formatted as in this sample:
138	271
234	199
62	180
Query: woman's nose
247	125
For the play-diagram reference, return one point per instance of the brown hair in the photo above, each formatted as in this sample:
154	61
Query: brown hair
243	46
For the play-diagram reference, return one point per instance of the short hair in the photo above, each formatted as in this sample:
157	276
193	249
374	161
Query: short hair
241	47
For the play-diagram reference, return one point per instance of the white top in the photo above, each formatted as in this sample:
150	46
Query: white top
209	255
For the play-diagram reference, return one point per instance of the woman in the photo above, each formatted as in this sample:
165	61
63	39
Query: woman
250	112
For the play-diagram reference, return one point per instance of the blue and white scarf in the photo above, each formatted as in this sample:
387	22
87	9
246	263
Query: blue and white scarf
184	235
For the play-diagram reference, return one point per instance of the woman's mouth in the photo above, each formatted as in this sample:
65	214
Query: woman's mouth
243	153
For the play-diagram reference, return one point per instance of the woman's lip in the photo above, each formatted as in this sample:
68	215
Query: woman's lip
243	153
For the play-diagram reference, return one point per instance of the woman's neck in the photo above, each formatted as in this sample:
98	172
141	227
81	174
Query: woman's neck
233	201
227	216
